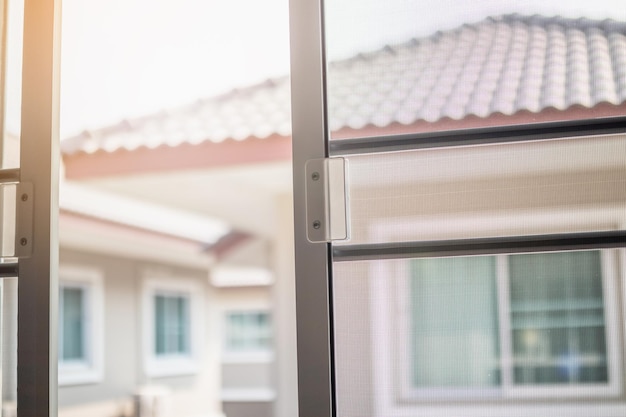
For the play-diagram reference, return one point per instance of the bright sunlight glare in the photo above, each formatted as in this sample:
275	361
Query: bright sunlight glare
127	58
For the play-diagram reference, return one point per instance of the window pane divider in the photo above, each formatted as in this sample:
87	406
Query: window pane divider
504	320
480	246
8	270
9	175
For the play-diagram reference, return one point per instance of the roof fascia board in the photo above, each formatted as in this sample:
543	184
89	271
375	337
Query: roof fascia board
183	157
275	148
140	214
85	234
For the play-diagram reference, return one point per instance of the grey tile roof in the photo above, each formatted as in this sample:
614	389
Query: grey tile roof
501	65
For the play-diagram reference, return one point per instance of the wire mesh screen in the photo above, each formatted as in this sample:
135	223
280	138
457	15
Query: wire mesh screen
478	335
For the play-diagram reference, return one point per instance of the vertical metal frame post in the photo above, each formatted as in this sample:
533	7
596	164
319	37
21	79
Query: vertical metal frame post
309	134
39	165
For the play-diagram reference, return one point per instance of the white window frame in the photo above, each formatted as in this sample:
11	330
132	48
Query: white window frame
90	370
172	364
246	356
248	395
393	393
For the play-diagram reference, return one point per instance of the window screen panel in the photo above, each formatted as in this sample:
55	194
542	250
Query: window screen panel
473	66
448	333
567	185
557	314
454	322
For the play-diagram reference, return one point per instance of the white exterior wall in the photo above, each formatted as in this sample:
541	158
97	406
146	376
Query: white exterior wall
124	374
248	386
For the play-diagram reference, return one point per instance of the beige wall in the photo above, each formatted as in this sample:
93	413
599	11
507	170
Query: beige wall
196	395
249	409
248	376
248	379
252	252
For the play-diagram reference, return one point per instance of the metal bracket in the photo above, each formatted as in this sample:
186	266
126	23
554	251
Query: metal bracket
24	220
326	200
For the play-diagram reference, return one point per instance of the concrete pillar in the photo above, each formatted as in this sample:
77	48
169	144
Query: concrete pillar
284	312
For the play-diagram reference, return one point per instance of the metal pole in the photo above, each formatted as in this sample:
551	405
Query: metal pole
309	132
39	165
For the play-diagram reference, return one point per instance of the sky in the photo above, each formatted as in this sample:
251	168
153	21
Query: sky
127	58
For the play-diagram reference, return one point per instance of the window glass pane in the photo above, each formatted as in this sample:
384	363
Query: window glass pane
454	322
159	324
182	325
171	324
405	66
73	325
557	318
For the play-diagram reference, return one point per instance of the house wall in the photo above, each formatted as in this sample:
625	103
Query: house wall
121	356
246	375
123	370
247	383
252	252
256	409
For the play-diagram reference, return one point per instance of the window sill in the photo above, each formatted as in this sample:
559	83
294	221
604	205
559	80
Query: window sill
248	395
593	408
171	366
74	375
248	357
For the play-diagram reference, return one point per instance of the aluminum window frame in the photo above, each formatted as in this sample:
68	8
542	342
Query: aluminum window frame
37	307
314	260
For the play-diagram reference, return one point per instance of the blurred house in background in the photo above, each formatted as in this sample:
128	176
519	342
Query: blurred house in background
176	237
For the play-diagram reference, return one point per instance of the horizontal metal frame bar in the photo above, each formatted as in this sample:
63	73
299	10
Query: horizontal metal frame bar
11	175
480	136
481	246
9	270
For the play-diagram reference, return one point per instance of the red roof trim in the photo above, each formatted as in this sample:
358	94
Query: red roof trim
182	157
220	249
278	148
